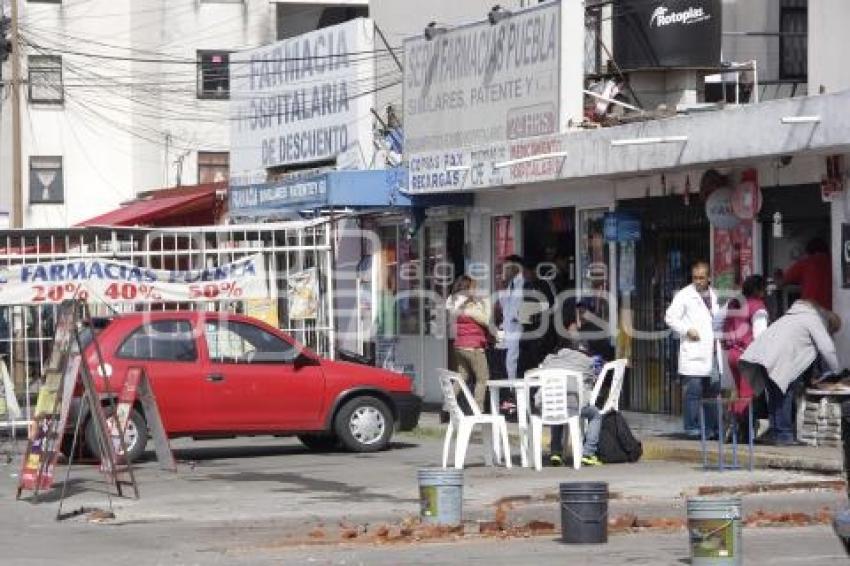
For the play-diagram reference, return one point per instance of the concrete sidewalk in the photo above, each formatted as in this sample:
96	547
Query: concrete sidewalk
661	441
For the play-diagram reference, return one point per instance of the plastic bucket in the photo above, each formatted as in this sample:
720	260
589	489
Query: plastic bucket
441	496
714	528
584	512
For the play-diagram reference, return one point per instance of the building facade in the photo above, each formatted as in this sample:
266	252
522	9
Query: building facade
124	97
761	122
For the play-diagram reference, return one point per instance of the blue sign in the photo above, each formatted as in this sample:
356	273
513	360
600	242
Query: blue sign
621	227
349	188
307	193
628	228
609	227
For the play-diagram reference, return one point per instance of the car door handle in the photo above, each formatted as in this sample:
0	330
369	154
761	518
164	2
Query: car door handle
215	377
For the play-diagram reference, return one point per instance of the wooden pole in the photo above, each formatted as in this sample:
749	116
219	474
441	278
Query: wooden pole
17	182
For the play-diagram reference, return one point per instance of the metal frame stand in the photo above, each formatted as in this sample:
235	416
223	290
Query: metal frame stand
720	404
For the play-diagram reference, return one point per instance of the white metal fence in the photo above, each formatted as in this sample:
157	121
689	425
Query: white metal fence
287	248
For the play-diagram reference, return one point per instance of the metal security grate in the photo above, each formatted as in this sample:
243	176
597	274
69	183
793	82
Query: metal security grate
26	330
673	237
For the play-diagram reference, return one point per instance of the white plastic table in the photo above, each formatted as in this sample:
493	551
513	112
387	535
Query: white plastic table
523	409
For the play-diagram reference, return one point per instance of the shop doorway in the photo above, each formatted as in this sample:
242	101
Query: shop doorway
791	217
673	237
456	247
455	256
549	235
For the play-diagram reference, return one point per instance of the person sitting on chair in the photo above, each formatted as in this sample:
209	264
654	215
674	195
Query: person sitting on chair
574	360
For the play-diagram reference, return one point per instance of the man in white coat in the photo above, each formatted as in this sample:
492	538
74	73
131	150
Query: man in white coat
510	301
693	315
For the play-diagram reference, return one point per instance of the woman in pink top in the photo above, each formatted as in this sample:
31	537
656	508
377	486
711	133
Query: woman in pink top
744	322
470	317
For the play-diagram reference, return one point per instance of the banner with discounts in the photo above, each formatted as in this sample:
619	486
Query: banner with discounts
118	282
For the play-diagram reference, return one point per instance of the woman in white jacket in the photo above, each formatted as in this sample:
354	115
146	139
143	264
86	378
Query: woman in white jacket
693	315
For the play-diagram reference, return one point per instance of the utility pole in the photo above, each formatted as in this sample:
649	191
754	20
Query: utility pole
17	184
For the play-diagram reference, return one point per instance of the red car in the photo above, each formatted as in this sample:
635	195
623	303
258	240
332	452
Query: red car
218	375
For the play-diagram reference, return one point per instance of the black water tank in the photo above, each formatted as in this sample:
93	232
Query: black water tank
668	34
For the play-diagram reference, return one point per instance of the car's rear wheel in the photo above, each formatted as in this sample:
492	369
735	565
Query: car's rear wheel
135	435
319	442
364	424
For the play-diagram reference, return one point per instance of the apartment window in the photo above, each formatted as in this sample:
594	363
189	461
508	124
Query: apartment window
45	79
341	14
213	74
592	32
46	186
213	166
295	19
793	40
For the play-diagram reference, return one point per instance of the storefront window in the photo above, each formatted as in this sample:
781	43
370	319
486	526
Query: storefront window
503	246
594	258
438	275
401	283
409	282
387	313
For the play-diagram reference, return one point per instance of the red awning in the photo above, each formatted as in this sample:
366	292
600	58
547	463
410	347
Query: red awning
171	208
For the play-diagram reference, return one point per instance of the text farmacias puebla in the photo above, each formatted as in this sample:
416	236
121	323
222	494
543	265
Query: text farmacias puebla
482	53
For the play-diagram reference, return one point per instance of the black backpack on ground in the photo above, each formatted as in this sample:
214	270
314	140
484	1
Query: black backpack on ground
617	444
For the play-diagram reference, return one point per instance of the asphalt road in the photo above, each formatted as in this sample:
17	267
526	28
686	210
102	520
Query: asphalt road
176	545
778	546
253	501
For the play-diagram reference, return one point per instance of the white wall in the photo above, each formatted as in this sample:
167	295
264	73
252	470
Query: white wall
752	16
112	128
841	296
128	114
828	23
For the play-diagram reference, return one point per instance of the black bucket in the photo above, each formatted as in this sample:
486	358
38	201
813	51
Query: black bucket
584	512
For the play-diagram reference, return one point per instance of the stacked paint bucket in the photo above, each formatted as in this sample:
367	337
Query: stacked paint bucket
441	496
714	527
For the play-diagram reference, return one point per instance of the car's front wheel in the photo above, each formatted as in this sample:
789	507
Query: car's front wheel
364	424
135	435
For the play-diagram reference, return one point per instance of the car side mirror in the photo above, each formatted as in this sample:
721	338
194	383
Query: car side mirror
304	360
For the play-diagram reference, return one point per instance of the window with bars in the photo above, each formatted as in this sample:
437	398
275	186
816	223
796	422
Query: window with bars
213	166
793	39
214	74
45	79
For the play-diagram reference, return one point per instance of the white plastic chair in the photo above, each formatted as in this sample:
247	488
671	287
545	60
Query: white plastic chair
612	402
556	387
464	424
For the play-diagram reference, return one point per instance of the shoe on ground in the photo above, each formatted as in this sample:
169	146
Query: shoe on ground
556	461
591	460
